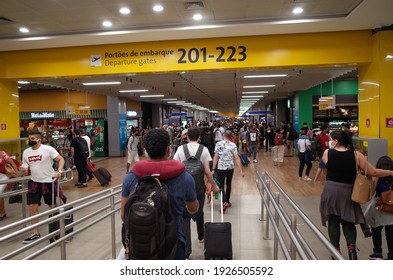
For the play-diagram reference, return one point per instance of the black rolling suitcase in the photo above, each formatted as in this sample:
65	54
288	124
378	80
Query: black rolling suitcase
218	237
103	176
244	159
68	219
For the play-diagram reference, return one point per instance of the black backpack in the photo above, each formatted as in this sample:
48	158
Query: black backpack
149	230
195	167
83	148
316	146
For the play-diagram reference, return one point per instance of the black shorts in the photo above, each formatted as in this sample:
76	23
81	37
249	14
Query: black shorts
35	198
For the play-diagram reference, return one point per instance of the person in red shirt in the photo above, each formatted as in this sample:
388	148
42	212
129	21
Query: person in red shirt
324	138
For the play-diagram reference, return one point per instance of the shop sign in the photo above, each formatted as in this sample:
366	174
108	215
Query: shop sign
389	122
327	102
132	113
43	115
77	109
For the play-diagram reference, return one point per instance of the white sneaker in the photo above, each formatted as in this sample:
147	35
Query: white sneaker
308	179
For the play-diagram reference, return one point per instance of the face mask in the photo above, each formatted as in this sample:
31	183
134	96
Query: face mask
332	144
32	143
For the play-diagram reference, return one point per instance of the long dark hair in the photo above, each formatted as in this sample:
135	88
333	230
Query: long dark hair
343	138
385	162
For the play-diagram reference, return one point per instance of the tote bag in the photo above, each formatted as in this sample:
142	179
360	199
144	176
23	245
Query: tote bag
362	191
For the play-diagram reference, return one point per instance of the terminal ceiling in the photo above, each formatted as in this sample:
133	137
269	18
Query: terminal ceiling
61	23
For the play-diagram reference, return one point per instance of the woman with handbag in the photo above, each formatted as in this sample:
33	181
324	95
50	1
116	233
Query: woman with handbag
5	159
303	146
379	219
336	206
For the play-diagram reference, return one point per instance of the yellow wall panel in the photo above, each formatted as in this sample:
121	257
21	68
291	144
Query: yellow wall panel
56	100
375	90
9	116
133	105
308	49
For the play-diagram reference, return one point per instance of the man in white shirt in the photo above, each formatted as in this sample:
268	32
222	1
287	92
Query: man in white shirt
132	148
194	135
39	159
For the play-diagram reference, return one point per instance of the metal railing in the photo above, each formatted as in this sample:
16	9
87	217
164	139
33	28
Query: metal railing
85	220
273	212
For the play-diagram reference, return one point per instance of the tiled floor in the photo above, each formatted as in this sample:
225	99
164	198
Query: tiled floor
247	230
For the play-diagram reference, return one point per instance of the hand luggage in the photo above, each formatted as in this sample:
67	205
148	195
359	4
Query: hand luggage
103	176
218	237
244	159
68	219
91	166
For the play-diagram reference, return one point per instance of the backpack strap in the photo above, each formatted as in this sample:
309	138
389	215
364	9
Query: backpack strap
186	151
198	153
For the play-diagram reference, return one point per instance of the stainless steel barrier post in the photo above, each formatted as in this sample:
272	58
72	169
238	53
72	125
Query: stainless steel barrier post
113	225
293	228
63	254
276	221
267	205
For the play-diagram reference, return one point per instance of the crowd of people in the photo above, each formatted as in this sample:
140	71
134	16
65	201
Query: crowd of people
218	146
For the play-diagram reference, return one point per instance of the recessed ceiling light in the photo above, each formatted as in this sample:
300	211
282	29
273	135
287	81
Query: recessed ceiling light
24	30
253	92
125	11
23	82
297	10
107	23
158	8
265	76
101	83
389	56
197	17
133	90
259	86
153	95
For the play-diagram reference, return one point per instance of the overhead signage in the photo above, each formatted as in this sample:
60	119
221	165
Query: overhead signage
77	109
177	114
132	113
260	113
43	115
327	102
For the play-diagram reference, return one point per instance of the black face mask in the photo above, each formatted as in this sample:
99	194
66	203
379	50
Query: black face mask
32	143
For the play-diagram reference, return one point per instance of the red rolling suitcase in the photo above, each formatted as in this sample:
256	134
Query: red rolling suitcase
218	237
103	176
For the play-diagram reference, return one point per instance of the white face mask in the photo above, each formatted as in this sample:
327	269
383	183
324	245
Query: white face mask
332	144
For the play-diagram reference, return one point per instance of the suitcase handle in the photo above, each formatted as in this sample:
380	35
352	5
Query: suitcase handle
221	207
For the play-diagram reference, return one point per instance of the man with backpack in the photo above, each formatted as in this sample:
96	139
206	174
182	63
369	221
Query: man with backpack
196	158
80	153
179	187
291	136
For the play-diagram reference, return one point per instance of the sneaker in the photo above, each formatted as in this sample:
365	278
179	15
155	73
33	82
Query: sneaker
32	238
78	184
225	207
82	185
376	256
308	179
367	233
255	161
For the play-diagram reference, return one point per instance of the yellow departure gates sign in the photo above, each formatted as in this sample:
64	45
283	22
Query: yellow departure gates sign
189	55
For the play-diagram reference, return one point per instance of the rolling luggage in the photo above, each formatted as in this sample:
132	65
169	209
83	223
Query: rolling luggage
103	176
218	237
68	219
244	159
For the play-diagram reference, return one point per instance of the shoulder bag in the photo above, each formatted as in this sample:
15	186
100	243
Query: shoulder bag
385	202
362	191
10	171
